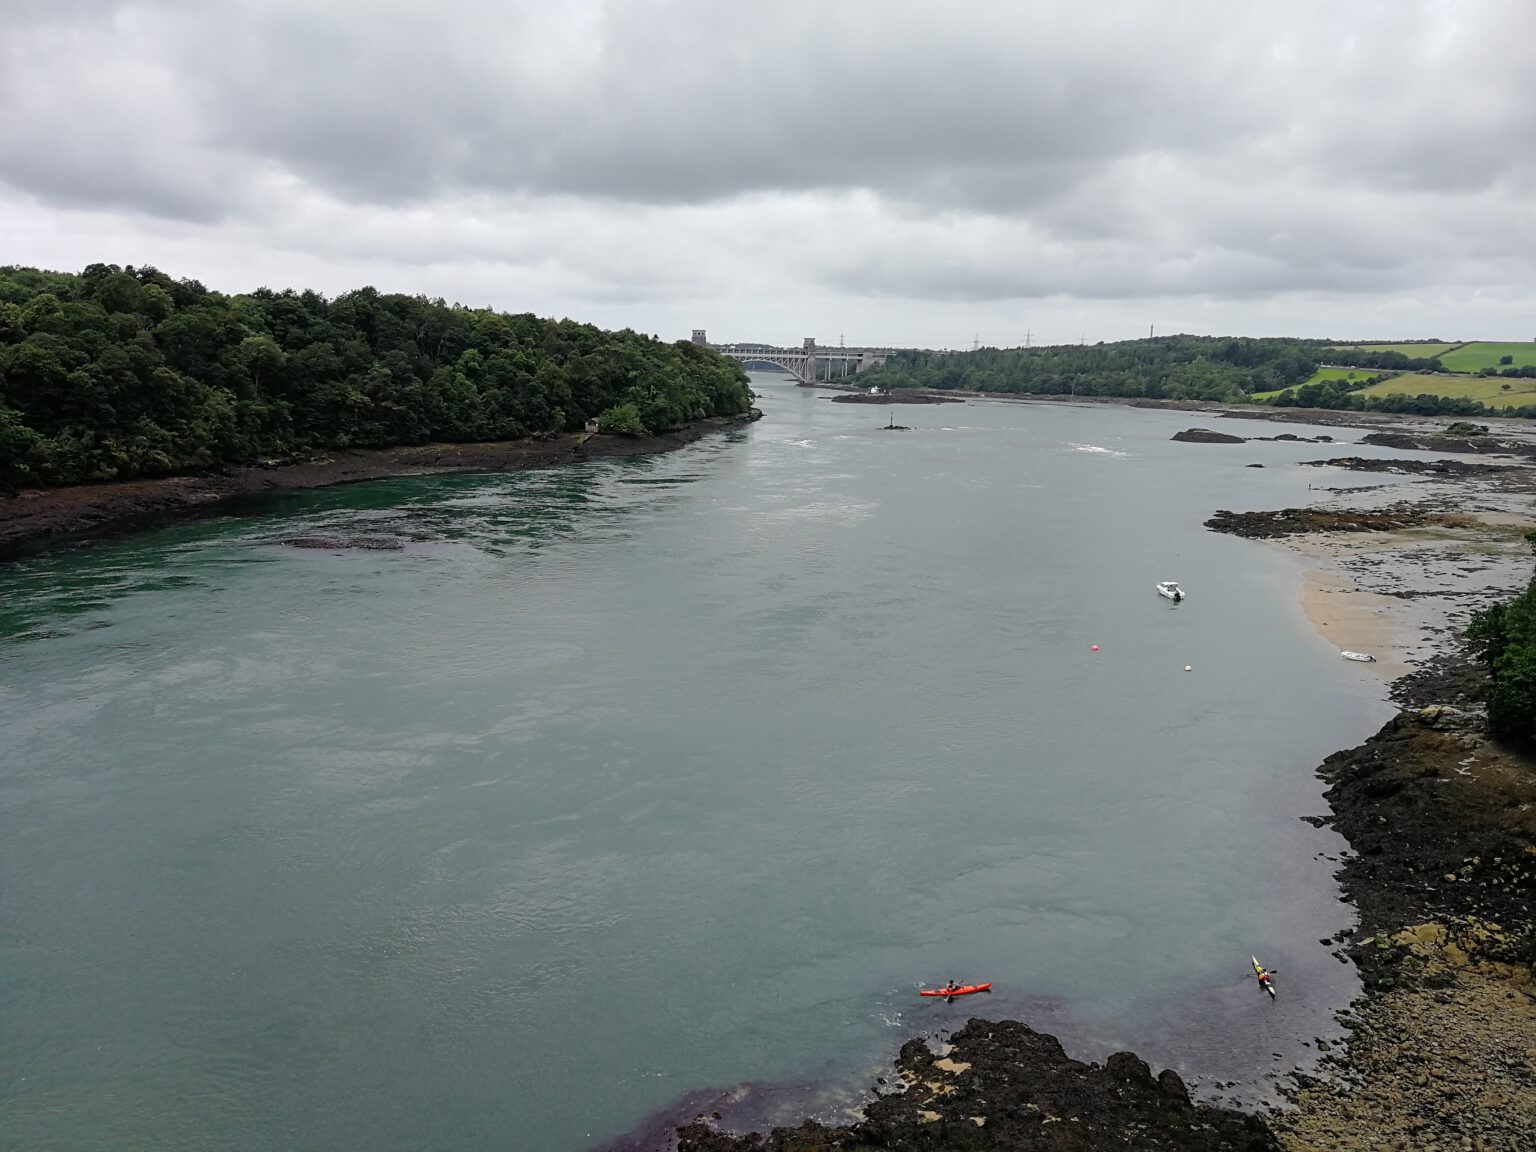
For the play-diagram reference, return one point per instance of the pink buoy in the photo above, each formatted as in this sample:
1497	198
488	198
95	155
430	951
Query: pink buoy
1095	647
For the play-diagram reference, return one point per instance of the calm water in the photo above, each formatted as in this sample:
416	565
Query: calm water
661	776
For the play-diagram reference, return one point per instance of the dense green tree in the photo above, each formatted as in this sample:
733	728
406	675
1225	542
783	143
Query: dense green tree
1505	636
118	372
623	419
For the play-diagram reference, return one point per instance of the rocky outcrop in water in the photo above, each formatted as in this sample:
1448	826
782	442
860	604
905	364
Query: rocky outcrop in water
1206	436
1295	521
1002	1085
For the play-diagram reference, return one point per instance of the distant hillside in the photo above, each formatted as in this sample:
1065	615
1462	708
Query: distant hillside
1171	367
120	372
1484	355
1493	391
1476	356
1401	377
1411	348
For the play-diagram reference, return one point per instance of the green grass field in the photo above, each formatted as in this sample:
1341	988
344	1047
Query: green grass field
1414	350
1486	354
1342	374
1326	374
1488	389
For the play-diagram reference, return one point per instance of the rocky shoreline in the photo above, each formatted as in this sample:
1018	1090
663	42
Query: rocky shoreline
1440	1050
1000	1084
40	517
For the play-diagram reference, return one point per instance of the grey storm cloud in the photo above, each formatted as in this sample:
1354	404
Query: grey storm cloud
970	150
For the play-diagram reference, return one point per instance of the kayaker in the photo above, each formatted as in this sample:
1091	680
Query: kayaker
951	986
1264	977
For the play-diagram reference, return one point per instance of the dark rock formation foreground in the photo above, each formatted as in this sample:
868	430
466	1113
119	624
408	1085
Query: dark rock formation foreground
1001	1084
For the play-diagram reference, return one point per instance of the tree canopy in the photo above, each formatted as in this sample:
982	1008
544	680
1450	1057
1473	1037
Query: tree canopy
1504	634
121	372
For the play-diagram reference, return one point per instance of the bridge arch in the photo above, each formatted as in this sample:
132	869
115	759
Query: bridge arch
808	364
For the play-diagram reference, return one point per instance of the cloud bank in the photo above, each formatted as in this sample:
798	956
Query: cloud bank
906	173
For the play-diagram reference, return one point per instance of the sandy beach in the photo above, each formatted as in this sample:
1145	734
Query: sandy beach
1364	594
1403	595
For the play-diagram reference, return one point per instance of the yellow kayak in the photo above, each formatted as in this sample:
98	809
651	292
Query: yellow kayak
1258	970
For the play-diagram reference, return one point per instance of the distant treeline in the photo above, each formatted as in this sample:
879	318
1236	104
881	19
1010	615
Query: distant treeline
1170	367
1341	394
1228	370
121	372
1377	358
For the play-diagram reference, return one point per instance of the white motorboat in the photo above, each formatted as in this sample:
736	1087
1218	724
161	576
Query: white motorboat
1171	589
1363	657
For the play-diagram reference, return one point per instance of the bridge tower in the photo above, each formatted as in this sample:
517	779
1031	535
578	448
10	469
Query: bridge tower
810	357
698	336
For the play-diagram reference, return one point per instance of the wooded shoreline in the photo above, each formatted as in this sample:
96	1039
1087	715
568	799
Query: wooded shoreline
42	517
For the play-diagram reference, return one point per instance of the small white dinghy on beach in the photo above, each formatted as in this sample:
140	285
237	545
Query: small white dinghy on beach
1363	657
1170	589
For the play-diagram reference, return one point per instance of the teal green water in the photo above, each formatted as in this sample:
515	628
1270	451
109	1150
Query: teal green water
653	777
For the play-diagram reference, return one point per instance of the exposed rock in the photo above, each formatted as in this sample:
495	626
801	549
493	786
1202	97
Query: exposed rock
1294	521
1019	1091
1170	1083
1407	466
1447	718
1415	802
1435	442
1206	436
1130	1067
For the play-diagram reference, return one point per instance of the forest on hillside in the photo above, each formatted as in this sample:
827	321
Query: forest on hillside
1169	367
1269	370
122	372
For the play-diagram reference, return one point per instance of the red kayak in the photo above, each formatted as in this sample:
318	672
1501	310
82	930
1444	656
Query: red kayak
963	990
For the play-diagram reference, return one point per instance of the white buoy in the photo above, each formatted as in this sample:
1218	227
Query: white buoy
1187	668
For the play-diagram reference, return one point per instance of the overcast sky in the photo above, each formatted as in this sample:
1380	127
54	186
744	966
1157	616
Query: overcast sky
887	171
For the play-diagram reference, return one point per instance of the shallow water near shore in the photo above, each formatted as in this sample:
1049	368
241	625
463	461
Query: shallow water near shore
617	787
